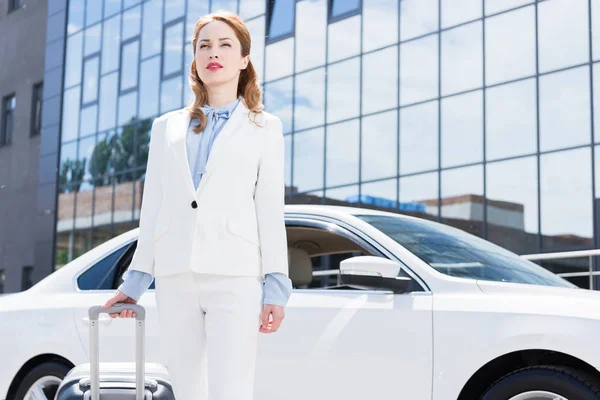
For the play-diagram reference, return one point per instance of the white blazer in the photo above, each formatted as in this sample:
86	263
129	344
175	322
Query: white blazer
233	224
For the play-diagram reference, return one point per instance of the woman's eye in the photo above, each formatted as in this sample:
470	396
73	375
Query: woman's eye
226	44
203	46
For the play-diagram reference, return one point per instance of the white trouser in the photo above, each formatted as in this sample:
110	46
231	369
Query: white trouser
209	326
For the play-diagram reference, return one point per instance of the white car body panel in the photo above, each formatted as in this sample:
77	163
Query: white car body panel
333	343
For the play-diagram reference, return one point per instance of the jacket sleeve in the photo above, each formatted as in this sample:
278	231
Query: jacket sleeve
143	258
269	200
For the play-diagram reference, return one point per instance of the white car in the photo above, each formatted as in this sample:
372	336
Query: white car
419	311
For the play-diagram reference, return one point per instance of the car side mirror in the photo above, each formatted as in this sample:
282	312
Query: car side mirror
370	272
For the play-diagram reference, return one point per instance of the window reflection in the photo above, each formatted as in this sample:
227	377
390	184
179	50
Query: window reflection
462	198
380	19
280	59
152	28
111	44
510	46
129	66
311	32
562	24
68	167
73	61
458	12
86	150
495	6
379	146
227	5
380	80
595	28
173	49
127	107
149	90
92	39
342	153
89	119
108	101
257	32
90	80
76	11
174	9
70	119
309	99
83	209
566	199
419	143
511	118
462	129
343	90
344	39
418	195
278	99
380	195
251	8
131	22
288	161
281	18
170	98
308	160
419	70
111	7
93	12
512	204
565	109
344	196
462	58
418	17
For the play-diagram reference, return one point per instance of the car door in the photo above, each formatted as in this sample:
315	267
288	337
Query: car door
95	286
347	343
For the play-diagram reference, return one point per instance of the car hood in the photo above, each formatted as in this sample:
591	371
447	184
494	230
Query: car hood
520	298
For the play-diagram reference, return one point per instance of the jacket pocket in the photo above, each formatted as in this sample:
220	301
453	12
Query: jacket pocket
242	231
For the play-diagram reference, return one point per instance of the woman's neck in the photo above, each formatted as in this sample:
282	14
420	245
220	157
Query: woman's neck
218	97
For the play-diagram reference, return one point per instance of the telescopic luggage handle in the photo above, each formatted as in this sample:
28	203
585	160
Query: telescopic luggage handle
140	319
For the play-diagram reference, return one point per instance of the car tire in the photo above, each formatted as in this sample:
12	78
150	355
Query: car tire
569	383
46	377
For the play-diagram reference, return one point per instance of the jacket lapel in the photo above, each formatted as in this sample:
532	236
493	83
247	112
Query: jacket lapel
177	127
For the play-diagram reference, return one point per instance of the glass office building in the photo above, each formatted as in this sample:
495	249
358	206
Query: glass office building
479	114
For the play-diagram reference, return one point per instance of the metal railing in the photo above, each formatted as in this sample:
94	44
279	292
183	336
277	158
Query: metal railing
590	254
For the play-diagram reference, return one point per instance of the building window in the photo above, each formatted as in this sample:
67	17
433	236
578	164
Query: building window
340	9
8	112
14	5
36	109
26	281
280	24
2	279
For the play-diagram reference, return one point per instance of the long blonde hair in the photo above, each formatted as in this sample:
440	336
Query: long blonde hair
248	86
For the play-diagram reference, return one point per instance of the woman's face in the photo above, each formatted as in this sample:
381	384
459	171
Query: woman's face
218	55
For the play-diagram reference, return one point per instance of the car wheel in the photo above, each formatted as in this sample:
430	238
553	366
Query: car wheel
544	383
41	383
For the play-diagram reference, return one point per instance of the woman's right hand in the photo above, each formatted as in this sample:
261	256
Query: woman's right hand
120	298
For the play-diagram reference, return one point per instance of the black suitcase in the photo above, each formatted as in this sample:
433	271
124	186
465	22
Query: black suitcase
116	380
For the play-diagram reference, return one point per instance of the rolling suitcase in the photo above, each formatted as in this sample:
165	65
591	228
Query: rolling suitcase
116	380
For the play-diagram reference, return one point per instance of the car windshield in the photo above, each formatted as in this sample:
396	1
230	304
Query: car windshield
454	252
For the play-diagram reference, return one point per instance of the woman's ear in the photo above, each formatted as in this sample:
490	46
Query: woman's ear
245	62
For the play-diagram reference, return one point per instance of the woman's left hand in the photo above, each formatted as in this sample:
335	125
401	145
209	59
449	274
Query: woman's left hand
278	314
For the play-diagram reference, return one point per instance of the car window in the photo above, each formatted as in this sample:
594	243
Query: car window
102	275
124	264
454	252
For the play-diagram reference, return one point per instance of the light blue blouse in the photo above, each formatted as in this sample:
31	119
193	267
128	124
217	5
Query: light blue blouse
277	286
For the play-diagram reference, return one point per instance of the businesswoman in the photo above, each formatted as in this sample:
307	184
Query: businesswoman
212	228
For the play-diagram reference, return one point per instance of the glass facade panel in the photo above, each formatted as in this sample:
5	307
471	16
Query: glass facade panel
495	6
111	44
510	117
379	141
251	8
418	18
279	59
380	20
152	28
90	80
343	90
70	119
174	9
173	50
132	19
149	90
565	109
342	153
510	46
418	195
108	101
93	36
281	21
461	199
380	80
462	129
257	51
512	204
566	199
278	99
311	31
171	91
562	24
462	58
458	12
308	160
344	39
309	99
74	60
419	143
129	66
419	72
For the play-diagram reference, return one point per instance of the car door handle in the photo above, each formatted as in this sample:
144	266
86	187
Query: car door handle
101	320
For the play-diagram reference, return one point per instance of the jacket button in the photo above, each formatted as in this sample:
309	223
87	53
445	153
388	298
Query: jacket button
194	204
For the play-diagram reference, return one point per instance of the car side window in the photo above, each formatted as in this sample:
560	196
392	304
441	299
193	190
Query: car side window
124	264
102	275
326	269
